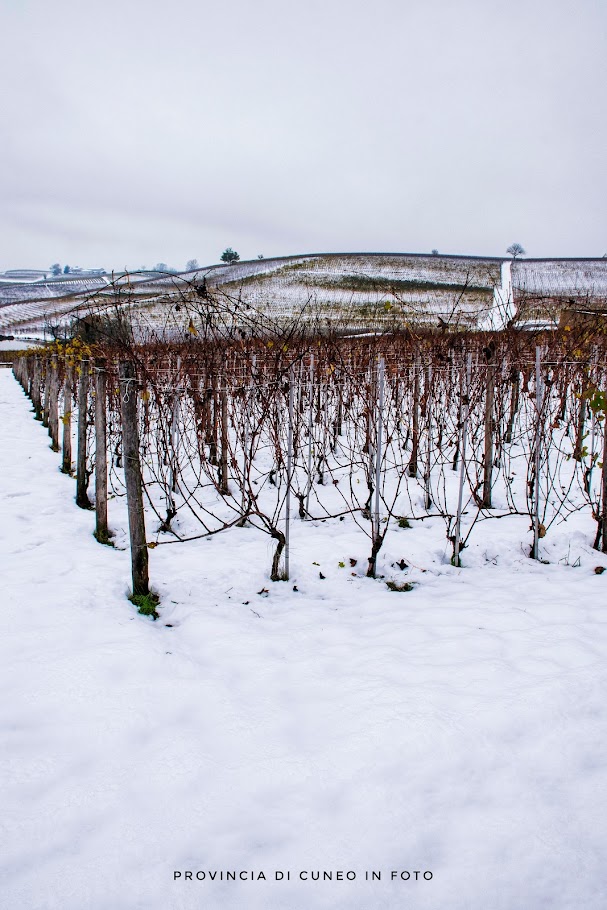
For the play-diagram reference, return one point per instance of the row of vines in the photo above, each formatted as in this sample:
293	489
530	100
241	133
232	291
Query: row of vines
383	430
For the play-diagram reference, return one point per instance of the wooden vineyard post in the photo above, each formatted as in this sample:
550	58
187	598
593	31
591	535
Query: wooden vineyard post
30	377
24	377
212	430
368	447
289	474
82	499
378	457
459	418
323	387
376	409
19	372
224	488
537	457
101	528
588	471
604	486
593	421
175	439
428	471
246	461
415	428
310	435
514	398
340	409
53	406
462	471
66	465
206	414
488	460
47	393
132	477
36	384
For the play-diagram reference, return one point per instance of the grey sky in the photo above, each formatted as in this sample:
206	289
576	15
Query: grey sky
135	132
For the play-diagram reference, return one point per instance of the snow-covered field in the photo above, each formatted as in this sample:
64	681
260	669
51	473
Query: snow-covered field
465	290
425	285
456	729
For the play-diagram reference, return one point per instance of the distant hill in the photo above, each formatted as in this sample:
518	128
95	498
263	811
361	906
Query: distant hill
358	290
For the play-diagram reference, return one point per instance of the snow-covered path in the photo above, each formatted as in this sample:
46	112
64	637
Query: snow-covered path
458	728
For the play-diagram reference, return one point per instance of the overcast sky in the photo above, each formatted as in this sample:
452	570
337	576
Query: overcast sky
135	132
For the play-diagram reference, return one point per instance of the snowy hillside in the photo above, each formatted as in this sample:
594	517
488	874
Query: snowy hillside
361	287
359	290
578	277
544	292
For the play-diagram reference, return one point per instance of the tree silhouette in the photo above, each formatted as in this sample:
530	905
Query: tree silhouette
229	255
515	249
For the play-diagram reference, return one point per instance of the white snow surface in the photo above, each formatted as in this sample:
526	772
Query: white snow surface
457	729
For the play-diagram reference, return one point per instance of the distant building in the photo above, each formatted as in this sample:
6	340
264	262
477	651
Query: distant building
86	272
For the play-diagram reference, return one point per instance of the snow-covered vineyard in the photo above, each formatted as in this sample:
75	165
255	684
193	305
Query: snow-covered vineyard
380	431
363	659
356	291
422	699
